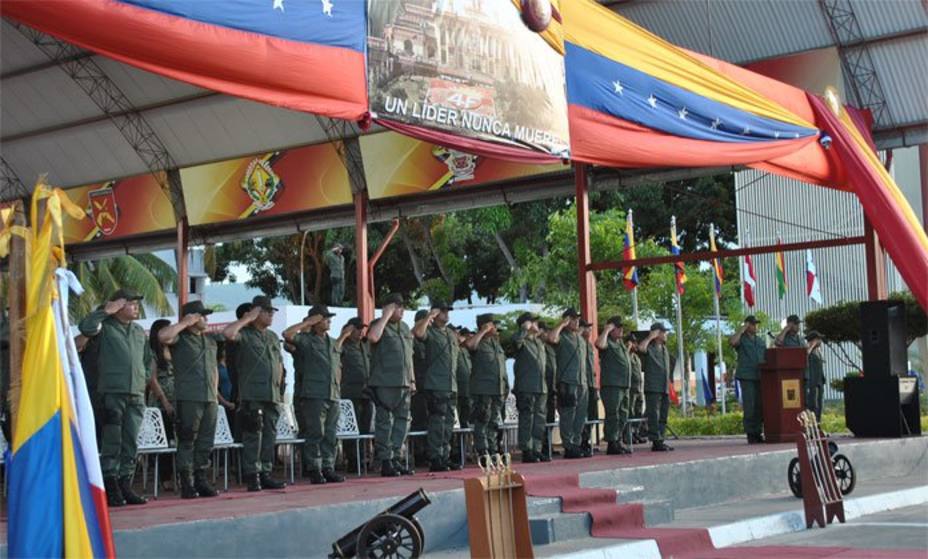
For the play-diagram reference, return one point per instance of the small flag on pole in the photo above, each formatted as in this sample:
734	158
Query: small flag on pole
717	274
781	271
750	280
630	274
813	289
675	250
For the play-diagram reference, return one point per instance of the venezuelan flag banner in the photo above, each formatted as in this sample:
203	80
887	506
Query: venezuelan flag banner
679	268
303	55
717	274
630	275
57	505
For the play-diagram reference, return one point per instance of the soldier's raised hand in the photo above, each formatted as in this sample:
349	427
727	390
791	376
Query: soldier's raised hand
113	307
252	314
191	319
388	309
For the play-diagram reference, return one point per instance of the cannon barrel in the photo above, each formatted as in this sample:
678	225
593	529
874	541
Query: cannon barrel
347	545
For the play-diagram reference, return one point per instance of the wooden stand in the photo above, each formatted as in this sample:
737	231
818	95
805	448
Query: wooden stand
821	497
497	514
783	392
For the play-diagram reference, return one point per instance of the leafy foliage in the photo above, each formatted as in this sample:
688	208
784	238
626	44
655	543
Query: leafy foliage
144	273
841	322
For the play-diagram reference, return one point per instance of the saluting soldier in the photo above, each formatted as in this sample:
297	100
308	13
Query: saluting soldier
260	371
750	349
789	336
392	384
815	374
551	385
196	382
419	409
489	384
592	399
657	379
318	365
440	383
356	371
636	392
462	376
572	394
530	388
614	380
335	262
124	367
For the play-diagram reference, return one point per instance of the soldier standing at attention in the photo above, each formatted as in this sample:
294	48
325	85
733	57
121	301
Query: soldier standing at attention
571	380
418	406
592	399
750	349
615	380
636	392
815	374
260	373
392	384
440	385
356	371
551	385
462	375
530	388
657	381
335	262
789	335
488	384
196	382
318	364
125	366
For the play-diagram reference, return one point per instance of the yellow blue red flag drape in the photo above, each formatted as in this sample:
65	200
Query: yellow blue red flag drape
630	274
679	269
57	505
718	276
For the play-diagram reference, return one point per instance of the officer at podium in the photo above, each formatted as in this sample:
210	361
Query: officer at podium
750	349
789	335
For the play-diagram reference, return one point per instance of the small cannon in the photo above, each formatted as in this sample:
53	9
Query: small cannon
844	472
393	533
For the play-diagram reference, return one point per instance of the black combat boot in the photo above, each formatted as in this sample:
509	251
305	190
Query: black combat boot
402	469
187	490
387	469
267	482
254	482
113	493
613	448
529	457
330	476
660	446
125	485
316	477
203	486
454	465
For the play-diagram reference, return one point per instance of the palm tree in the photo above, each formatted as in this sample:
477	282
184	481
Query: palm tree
145	273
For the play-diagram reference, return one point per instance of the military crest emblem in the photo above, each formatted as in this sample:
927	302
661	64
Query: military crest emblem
461	166
103	209
261	183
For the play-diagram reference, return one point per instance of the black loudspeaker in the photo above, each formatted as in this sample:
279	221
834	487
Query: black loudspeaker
882	337
882	407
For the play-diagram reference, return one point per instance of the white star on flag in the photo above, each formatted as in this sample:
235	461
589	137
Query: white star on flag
278	5
746	131
652	101
776	135
618	87
716	123
327	7
682	112
796	135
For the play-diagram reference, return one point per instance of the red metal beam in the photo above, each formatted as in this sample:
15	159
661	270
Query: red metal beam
586	278
183	279
374	259
362	275
707	255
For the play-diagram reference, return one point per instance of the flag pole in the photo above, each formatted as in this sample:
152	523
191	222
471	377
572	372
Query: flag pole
635	316
681	353
718	329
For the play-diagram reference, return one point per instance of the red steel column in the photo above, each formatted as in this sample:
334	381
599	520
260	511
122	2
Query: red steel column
362	288
586	280
183	279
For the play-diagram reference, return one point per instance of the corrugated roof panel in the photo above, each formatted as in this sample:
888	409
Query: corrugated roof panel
902	67
885	17
144	88
45	98
16	51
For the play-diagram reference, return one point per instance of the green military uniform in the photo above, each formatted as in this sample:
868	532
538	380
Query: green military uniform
615	380
750	352
336	265
793	340
356	370
815	382
489	386
531	390
657	379
440	388
419	409
391	381
573	394
636	391
592	399
195	381
463	377
258	364
318	366
165	374
551	382
124	359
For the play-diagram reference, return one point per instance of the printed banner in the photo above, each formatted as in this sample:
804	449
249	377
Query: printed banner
119	208
395	165
468	67
275	183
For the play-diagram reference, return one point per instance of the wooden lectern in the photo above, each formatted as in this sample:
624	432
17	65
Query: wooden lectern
783	392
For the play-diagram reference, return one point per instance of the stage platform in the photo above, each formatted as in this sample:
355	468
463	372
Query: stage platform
303	520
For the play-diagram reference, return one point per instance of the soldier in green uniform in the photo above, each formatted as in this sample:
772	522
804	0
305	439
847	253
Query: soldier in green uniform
318	365
572	392
657	379
196	377
636	392
614	380
392	383
356	370
124	365
440	385
592	399
489	384
260	373
530	388
418	405
161	396
789	336
462	375
335	262
551	385
750	349
815	374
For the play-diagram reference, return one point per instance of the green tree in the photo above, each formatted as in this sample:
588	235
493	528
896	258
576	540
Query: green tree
145	273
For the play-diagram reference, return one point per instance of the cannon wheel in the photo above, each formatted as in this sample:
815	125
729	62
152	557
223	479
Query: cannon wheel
389	536
792	476
415	522
844	472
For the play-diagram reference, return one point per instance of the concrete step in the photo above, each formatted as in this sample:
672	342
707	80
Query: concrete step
555	527
545	505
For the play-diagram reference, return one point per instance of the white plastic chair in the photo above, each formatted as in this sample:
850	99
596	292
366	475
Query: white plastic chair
288	433
462	433
223	442
347	429
510	420
153	441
